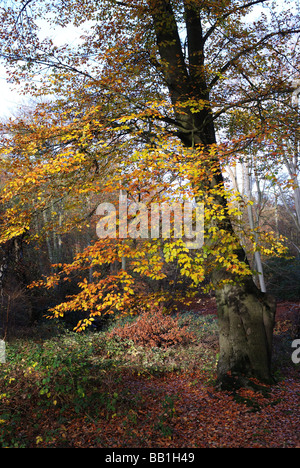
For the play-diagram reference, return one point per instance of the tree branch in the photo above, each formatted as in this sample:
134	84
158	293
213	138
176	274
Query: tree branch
223	17
48	63
251	48
168	41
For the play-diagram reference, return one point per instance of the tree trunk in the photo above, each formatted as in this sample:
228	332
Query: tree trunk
246	321
257	256
246	315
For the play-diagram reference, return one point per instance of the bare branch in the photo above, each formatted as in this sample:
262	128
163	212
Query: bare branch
223	17
251	48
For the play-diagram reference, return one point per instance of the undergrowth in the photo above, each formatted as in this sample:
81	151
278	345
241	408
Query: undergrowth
81	373
116	388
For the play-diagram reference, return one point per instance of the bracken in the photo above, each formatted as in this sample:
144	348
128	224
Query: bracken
154	328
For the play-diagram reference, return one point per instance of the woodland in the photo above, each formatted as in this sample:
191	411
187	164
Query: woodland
135	339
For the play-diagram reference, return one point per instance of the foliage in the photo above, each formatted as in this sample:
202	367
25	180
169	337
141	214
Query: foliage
103	131
88	390
154	328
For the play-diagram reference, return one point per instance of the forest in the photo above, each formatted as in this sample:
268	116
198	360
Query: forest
150	224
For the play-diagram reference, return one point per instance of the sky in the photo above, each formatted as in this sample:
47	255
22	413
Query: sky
8	98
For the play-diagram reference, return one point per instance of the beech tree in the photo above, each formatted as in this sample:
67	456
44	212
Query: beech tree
137	106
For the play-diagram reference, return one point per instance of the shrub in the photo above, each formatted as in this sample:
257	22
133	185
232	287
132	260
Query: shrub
153	328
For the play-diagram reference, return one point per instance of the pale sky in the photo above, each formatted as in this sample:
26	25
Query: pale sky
9	99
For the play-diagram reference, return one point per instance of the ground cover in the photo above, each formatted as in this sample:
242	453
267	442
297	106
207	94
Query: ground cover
105	390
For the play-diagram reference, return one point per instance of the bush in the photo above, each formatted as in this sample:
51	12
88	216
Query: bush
153	328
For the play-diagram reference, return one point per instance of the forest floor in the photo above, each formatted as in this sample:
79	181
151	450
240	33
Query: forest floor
94	391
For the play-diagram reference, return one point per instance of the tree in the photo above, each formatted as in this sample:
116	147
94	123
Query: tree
140	100
289	139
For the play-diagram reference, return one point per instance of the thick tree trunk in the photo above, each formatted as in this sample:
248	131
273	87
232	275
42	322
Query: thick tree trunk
246	320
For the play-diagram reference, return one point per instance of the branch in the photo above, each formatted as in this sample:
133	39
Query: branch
169	45
265	96
49	63
23	9
222	18
251	48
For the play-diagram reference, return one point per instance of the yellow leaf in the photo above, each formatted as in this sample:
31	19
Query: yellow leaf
38	440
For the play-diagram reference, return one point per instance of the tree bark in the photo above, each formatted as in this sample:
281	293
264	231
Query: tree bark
246	321
245	314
